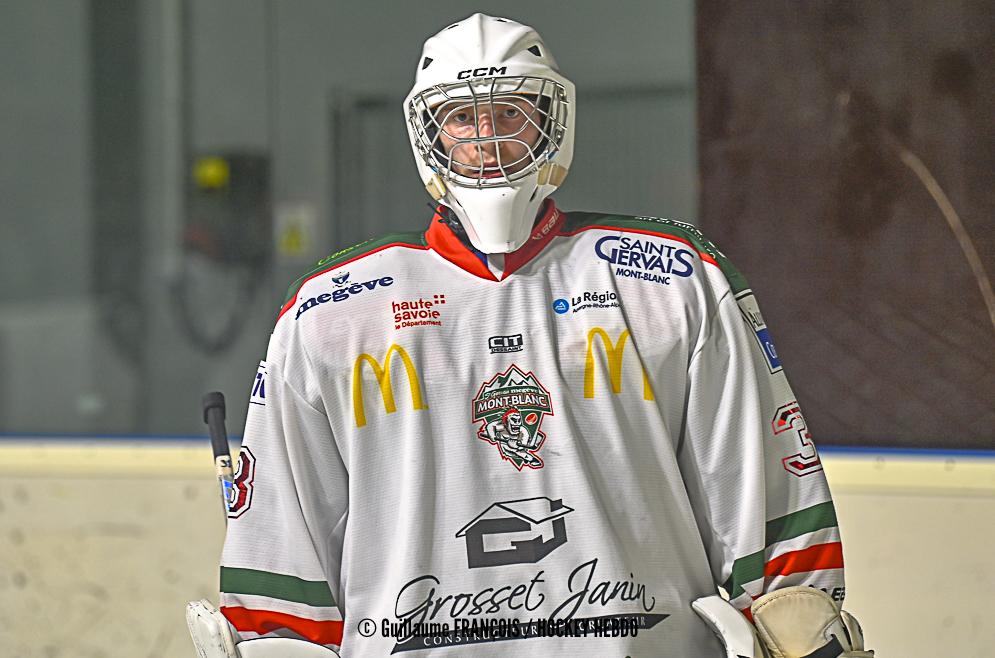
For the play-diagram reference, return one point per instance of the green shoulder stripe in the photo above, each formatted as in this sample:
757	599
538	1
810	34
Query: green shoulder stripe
415	239
751	567
276	586
578	221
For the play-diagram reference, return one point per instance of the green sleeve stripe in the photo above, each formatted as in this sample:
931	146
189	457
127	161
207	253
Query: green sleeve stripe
801	522
276	586
744	570
750	568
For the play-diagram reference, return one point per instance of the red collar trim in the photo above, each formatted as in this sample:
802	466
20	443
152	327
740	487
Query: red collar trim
443	241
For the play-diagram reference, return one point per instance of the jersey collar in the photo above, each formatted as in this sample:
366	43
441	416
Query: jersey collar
443	241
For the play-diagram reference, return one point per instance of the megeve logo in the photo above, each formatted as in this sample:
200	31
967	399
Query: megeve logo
342	294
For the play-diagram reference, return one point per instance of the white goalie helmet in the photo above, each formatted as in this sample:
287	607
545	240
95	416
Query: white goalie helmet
491	124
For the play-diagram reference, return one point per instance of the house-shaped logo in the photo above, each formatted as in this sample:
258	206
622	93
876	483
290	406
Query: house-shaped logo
515	532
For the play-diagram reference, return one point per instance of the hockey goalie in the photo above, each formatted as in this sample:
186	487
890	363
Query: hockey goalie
523	431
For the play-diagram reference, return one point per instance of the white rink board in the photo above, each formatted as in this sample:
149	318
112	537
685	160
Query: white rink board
102	562
102	543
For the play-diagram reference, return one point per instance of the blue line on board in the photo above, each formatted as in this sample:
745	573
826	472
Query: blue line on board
22	437
905	452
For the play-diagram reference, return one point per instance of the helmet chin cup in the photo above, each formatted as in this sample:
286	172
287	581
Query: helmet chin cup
497	220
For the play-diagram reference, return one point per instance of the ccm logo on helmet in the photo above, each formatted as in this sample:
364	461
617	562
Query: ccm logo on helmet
482	71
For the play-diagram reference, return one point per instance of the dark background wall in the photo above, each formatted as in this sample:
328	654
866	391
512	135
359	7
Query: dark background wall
805	112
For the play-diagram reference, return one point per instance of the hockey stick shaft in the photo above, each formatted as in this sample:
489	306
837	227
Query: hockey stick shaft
214	416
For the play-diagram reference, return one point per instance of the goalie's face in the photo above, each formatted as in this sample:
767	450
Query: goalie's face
489	137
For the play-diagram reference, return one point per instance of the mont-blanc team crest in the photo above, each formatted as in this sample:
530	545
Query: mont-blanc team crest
510	408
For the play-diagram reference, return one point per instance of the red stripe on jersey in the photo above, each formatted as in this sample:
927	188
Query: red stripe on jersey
443	241
813	558
267	621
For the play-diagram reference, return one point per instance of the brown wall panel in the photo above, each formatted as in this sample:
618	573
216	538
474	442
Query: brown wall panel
806	110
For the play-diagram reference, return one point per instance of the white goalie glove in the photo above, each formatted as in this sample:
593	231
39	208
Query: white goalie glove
736	632
212	637
793	622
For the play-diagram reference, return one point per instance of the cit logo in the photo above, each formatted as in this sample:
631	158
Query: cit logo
501	344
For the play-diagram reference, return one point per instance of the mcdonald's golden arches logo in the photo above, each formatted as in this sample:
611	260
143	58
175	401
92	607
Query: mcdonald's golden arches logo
383	379
613	354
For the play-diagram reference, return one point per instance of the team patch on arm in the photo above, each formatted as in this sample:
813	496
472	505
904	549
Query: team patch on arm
258	396
761	335
240	495
788	422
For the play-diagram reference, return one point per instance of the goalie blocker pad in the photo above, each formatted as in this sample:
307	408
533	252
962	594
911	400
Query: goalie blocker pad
212	637
804	622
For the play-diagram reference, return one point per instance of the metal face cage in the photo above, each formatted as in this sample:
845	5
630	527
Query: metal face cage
490	132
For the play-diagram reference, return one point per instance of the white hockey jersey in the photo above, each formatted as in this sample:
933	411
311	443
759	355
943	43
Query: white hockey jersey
546	454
